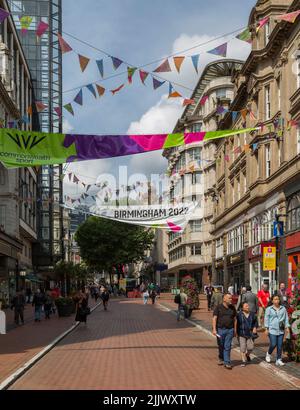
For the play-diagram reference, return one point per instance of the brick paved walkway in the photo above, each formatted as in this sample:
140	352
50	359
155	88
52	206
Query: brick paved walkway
204	318
132	346
21	343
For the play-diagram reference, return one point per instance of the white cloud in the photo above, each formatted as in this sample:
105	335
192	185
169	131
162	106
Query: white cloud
67	126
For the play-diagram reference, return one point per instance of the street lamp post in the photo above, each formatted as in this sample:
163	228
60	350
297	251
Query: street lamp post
278	232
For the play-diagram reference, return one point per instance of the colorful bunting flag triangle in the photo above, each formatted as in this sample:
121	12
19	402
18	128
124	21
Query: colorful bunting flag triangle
40	106
83	61
175	94
163	68
290	17
116	62
91	88
143	76
79	98
178	62
3	15
41	28
157	84
245	36
195	60
58	111
262	23
131	71
220	50
100	67
100	90
203	99
69	108
64	46
25	22
187	101
117	89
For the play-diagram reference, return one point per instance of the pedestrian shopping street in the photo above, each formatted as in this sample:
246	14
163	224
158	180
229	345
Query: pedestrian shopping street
136	346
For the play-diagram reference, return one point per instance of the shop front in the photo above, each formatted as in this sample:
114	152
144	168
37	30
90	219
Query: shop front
292	245
259	276
236	271
219	272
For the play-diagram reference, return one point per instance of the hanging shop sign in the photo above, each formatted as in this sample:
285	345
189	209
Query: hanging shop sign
269	258
29	148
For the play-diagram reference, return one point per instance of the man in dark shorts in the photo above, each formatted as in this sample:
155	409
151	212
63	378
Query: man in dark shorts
225	328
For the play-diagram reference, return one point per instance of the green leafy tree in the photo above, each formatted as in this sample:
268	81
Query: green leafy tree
104	243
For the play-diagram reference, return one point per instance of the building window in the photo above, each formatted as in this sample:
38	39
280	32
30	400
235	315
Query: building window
196	226
221	93
245	183
267	102
298	140
196	127
238	189
196	249
219	248
279	93
293	212
235	240
267	32
196	178
194	154
268	161
2	217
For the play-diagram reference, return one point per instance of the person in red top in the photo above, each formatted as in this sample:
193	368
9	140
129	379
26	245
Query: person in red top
263	299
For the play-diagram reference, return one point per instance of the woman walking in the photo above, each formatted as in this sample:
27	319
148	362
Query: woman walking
48	304
276	324
145	296
105	298
82	309
247	331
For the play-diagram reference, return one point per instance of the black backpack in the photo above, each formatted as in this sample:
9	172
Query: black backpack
177	299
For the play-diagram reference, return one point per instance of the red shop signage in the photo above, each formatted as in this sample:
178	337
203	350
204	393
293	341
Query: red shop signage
292	241
256	251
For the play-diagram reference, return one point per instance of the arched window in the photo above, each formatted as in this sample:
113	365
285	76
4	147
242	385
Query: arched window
293	212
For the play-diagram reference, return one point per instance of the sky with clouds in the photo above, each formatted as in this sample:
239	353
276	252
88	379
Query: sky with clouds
138	32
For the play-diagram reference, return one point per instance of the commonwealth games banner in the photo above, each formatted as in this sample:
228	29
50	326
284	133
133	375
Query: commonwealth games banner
29	148
171	217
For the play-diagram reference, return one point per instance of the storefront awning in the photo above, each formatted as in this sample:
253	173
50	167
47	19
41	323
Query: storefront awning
33	278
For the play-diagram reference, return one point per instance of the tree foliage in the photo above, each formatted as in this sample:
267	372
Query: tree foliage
104	243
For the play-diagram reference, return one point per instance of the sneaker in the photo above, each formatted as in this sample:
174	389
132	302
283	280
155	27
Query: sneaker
220	363
243	364
248	357
228	366
268	358
279	362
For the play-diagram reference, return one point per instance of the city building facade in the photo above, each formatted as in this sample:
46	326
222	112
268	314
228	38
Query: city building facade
192	170
18	187
257	173
45	62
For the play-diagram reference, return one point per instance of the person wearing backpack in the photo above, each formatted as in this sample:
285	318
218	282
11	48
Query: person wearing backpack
181	300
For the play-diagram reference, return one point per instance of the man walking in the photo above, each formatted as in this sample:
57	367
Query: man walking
38	301
209	290
182	298
105	298
250	298
18	304
225	328
283	294
263	299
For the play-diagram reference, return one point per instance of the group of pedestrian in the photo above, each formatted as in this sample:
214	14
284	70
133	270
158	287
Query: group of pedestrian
42	302
150	291
251	314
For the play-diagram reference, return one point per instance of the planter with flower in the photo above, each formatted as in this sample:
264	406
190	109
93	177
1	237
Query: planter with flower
192	291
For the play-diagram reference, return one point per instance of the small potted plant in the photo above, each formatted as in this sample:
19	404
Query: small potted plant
65	306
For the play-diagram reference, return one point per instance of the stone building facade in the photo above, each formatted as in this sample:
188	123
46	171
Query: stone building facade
192	170
258	174
17	186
